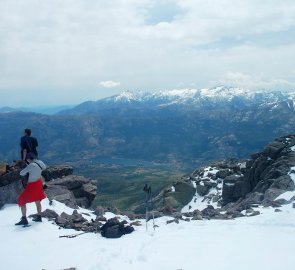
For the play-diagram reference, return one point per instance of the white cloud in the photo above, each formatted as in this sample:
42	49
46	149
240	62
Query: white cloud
109	84
247	81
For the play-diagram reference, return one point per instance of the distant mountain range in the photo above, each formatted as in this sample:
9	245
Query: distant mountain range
186	126
190	99
43	110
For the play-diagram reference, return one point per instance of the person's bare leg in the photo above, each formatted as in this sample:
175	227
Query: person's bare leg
24	210
39	207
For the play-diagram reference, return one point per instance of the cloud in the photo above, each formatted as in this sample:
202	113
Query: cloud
55	46
247	81
109	84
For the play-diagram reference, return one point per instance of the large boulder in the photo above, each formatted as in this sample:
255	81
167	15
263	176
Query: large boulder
61	194
57	171
10	177
234	187
10	193
203	189
83	189
10	187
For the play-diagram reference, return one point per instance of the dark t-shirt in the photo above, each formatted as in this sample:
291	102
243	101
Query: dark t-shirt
30	144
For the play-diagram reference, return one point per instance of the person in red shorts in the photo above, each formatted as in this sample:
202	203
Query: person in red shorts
34	189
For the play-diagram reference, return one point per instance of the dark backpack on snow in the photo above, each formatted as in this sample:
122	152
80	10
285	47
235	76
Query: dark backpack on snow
113	228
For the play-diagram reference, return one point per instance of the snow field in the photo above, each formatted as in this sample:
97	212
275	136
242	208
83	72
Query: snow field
260	242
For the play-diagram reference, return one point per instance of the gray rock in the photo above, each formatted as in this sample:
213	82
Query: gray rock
72	182
100	218
203	190
10	178
274	149
170	221
188	214
10	192
197	217
255	213
209	212
223	173
234	188
58	171
78	218
99	211
177	215
61	194
249	211
272	193
270	203
282	201
237	215
61	221
283	182
50	214
83	202
278	210
66	216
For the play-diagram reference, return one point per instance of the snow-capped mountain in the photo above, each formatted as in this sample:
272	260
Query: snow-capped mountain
220	93
195	98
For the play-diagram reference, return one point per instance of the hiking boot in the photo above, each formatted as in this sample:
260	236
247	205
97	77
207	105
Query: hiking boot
23	221
37	218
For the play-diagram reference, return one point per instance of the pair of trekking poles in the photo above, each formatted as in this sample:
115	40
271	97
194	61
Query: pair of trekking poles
148	205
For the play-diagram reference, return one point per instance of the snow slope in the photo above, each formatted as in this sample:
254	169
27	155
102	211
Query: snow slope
260	242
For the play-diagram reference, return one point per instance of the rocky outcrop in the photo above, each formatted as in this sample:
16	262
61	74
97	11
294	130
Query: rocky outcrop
79	222
171	199
72	190
237	185
267	173
62	186
57	172
10	187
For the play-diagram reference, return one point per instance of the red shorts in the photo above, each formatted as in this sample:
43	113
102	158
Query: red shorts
32	193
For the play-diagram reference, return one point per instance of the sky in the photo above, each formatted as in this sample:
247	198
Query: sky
56	52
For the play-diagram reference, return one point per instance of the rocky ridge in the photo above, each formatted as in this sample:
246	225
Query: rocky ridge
234	188
62	185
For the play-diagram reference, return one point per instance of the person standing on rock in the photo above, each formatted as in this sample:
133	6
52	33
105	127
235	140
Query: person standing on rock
28	144
34	190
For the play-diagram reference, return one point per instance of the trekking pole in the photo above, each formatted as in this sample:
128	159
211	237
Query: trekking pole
71	235
147	189
154	226
149	200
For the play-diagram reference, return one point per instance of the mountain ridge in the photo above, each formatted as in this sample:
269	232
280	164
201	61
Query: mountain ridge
177	127
182	97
